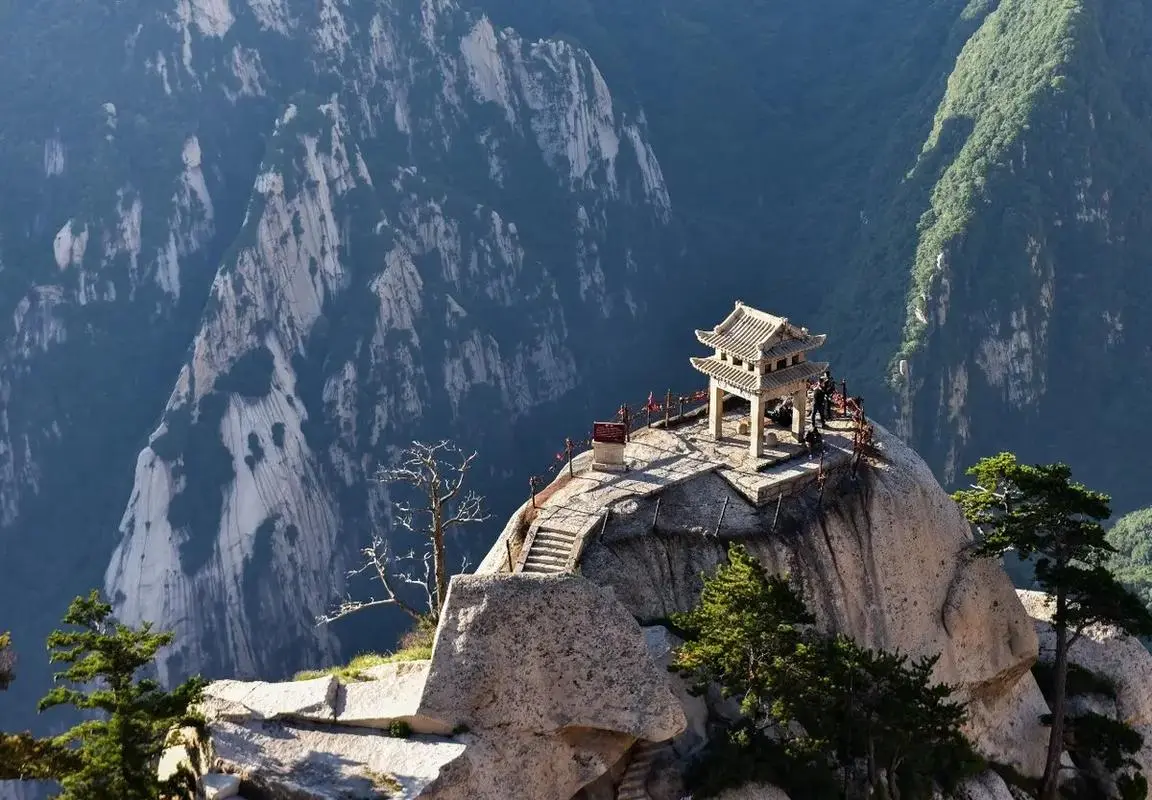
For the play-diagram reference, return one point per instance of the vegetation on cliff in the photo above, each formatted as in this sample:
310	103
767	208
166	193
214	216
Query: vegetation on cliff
1131	536
7	660
416	645
823	716
1039	511
113	754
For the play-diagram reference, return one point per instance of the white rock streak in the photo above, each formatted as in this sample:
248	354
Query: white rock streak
487	73
69	245
53	157
307	248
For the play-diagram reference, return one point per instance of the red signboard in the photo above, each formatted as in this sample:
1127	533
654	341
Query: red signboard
609	432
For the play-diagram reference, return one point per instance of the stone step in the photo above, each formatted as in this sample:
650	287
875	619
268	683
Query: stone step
548	533
556	536
633	785
546	569
554	558
551	547
543	566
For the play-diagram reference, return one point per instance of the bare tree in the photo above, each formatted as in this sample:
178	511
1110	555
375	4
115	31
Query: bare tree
439	482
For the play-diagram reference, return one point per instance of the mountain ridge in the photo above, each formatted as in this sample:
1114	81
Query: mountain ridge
437	217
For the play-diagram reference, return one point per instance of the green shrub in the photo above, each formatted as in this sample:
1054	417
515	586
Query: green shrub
399	729
816	706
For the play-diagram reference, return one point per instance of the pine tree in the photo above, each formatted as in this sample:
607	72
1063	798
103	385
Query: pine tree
1039	511
831	703
113	754
23	757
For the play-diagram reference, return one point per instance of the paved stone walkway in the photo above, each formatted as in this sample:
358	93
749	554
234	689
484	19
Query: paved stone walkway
658	459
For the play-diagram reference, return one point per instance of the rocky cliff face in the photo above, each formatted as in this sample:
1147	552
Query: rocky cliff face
566	697
360	223
882	559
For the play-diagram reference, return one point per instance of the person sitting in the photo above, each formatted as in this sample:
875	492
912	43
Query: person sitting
782	414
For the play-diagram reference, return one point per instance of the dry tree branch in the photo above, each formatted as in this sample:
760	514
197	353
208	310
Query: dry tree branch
378	558
433	471
469	510
426	583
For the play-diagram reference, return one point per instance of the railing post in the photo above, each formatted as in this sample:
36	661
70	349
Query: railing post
656	516
719	522
508	547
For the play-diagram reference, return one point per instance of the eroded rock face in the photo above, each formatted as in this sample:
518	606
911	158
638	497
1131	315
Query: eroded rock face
545	654
883	560
537	687
243	700
498	765
1105	650
661	647
1110	652
549	673
281	760
985	786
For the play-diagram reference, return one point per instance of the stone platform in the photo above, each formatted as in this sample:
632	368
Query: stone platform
656	459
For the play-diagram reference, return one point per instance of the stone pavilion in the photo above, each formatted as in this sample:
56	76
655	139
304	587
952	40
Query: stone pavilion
761	358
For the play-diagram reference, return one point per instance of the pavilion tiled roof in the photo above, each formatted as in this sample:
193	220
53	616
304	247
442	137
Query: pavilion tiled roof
740	378
751	334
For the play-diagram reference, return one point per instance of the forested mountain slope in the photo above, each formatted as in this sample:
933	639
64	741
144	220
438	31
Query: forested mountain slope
959	185
249	247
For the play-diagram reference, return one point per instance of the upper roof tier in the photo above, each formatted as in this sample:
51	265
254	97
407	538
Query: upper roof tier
752	335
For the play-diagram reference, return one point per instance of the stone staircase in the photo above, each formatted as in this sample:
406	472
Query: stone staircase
632	785
549	552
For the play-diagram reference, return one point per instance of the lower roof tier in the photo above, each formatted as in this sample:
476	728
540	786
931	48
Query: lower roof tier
739	379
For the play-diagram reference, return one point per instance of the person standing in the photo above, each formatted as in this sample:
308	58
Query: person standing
829	387
819	405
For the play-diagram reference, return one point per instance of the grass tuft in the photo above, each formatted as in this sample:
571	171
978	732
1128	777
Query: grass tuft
355	669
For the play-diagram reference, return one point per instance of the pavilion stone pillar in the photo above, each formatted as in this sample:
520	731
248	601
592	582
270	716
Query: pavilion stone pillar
800	413
756	427
715	409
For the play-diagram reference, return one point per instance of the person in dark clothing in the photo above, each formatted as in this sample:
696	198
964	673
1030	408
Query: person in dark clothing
814	440
782	414
829	387
819	405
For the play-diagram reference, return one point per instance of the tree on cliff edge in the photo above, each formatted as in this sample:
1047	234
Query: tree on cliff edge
1039	511
823	716
113	754
441	504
